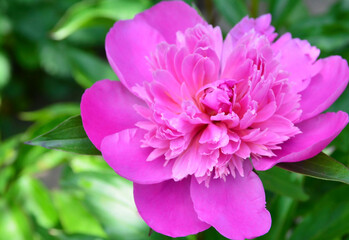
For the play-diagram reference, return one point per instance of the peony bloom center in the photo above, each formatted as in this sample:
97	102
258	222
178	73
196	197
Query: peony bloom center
207	118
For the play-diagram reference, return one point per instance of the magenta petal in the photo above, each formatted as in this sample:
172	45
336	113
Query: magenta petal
127	53
170	17
235	207
123	152
106	108
316	134
325	87
167	208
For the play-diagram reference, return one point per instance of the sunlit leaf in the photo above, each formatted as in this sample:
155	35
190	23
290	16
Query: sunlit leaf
36	200
320	166
4	70
110	199
282	182
74	216
14	223
86	12
69	136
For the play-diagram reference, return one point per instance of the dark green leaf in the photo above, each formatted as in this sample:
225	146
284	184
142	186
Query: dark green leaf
282	182
282	210
320	166
232	10
69	136
280	10
87	68
328	219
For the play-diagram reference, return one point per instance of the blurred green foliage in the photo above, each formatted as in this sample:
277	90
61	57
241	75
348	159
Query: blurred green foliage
51	50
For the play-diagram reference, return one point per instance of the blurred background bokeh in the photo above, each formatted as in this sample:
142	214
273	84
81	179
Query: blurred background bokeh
51	50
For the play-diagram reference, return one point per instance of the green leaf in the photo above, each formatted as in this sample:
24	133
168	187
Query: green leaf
51	112
110	199
328	219
232	10
85	13
74	216
4	70
13	222
320	166
36	200
280	10
69	136
5	175
87	68
284	183
282	210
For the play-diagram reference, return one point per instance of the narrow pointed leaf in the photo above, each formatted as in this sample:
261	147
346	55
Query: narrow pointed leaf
321	166
68	136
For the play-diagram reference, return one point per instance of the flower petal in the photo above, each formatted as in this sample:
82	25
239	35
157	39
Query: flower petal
167	208
235	207
106	108
123	152
170	17
316	134
297	58
325	87
127	53
260	25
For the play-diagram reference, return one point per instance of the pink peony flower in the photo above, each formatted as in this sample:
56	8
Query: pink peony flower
193	114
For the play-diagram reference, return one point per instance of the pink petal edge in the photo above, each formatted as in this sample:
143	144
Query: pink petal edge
106	108
168	209
123	152
316	134
235	207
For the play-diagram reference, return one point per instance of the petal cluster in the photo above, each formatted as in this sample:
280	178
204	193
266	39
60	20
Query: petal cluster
193	114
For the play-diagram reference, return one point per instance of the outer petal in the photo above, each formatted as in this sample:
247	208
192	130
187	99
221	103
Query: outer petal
128	44
106	108
325	87
297	58
235	207
123	152
316	134
261	25
167	208
170	17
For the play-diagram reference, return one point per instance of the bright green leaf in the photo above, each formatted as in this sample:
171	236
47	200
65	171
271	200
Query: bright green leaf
86	12
110	199
52	111
75	218
4	70
36	200
69	136
13	222
282	182
321	166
